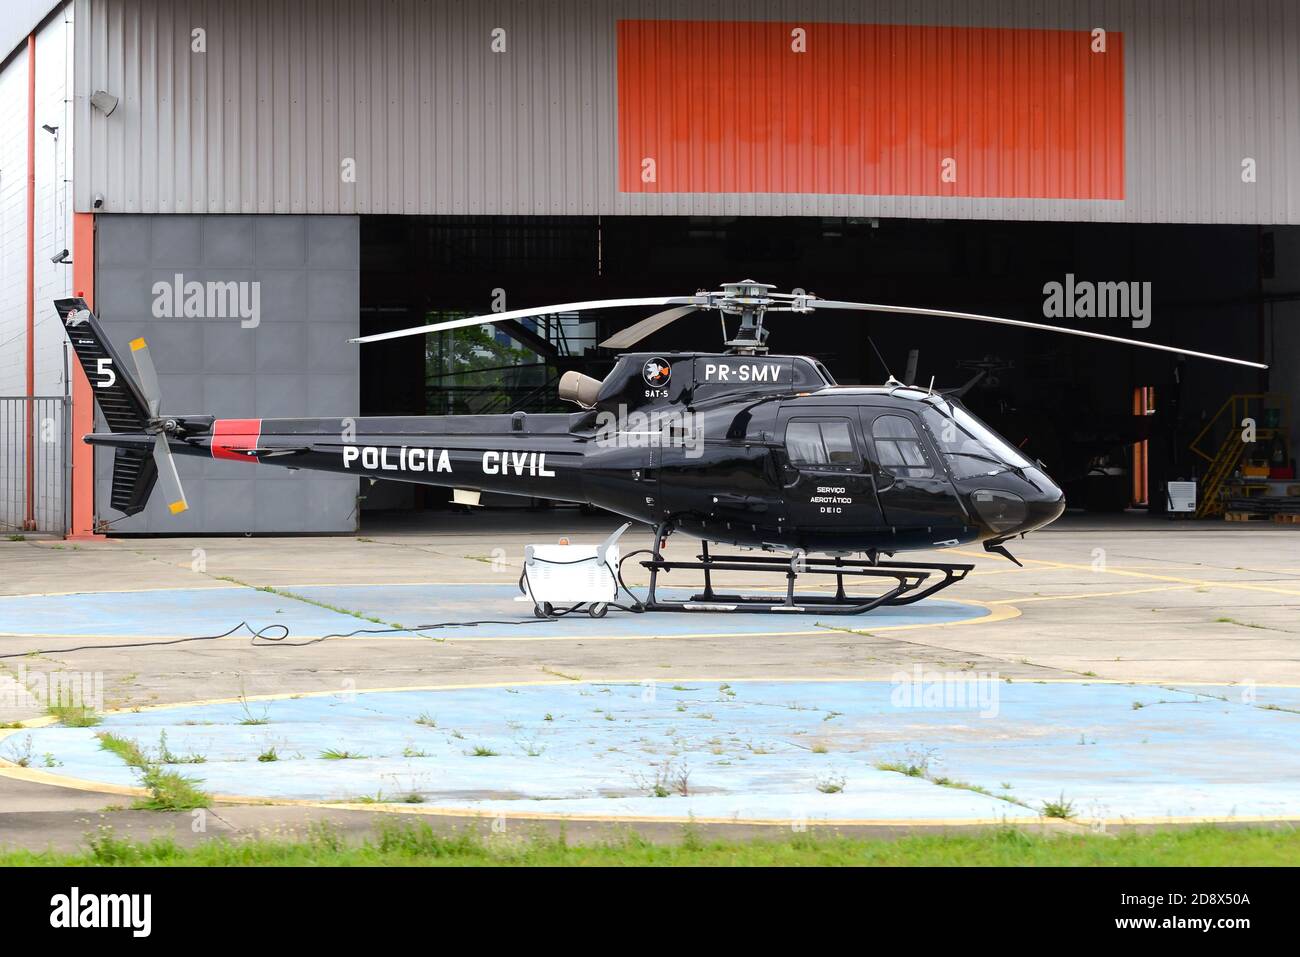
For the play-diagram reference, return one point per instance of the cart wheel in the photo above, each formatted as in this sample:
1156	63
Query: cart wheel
598	609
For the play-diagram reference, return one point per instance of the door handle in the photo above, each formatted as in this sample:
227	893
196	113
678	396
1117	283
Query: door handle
751	503
893	480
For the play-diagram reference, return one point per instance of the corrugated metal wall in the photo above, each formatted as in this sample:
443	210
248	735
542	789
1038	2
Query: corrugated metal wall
436	122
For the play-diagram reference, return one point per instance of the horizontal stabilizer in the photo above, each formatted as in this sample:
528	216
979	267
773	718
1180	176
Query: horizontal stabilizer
134	475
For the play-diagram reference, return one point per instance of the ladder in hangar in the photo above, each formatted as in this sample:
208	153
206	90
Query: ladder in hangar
1225	459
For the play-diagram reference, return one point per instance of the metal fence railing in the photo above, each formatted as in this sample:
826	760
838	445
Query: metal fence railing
51	467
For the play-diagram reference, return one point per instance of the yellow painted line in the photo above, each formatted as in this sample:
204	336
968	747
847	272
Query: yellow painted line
1095	594
615	680
138	344
36	776
1193	582
619	680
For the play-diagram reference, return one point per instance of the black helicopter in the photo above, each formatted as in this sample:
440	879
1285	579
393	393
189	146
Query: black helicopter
742	448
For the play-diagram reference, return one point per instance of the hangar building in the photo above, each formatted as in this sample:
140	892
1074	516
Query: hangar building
249	184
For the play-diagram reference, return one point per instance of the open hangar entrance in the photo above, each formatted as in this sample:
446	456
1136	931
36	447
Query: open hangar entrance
1112	423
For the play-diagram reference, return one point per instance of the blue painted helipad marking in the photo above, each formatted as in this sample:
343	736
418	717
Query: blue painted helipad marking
206	611
767	750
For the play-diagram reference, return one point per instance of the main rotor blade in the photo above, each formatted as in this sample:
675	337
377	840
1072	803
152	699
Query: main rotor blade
538	311
638	331
914	311
171	481
146	375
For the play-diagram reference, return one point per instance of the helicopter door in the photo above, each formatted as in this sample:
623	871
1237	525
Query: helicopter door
914	489
827	478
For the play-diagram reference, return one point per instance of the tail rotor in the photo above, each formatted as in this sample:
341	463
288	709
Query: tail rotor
147	379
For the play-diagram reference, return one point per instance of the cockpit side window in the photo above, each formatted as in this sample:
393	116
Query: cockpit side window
899	448
822	444
969	446
966	457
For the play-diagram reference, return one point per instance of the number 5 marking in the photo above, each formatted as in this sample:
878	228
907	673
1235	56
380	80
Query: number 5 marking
104	368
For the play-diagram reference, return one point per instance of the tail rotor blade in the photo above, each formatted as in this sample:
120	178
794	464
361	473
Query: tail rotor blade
639	330
167	475
146	376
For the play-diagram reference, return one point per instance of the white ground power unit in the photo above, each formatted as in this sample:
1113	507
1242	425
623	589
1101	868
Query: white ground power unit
1180	497
571	576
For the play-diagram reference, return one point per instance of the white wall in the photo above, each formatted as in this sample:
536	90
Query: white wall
53	196
53	221
53	208
13	225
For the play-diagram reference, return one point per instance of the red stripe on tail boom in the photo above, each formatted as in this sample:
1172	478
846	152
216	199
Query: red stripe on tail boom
233	438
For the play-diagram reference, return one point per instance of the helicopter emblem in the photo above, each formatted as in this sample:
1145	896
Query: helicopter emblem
656	372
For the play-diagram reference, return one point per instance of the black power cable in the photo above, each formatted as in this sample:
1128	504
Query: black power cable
276	634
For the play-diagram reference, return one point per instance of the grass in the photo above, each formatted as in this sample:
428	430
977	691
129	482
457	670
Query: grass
167	756
831	784
1060	808
249	718
21	756
285	593
912	767
1243	624
917	765
420	844
168	790
74	716
335	754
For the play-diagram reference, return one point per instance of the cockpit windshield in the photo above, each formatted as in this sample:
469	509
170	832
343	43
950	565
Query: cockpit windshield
970	447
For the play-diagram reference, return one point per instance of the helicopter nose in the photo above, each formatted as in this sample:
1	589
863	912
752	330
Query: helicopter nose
1043	508
1019	506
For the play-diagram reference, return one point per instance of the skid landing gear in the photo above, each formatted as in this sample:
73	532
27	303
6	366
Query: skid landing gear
911	581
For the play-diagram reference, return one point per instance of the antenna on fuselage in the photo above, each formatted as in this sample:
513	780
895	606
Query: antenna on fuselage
889	376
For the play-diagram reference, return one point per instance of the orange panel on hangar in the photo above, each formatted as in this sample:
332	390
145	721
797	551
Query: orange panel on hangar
869	109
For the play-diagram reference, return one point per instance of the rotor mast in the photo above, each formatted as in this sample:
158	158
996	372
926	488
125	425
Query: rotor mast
749	300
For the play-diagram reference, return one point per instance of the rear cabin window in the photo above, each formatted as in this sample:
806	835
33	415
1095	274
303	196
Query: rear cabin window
899	448
821	444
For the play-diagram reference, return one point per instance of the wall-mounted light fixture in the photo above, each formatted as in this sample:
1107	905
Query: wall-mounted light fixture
103	101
